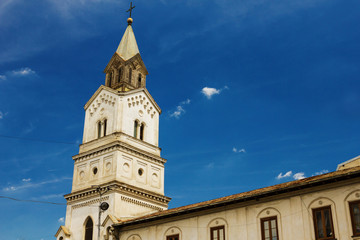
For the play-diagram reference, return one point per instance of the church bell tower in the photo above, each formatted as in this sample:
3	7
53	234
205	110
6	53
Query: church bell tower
119	159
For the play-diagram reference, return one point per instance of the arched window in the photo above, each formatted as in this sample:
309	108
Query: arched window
142	126
135	128
120	73
89	229
61	238
105	124
139	80
99	129
110	79
130	75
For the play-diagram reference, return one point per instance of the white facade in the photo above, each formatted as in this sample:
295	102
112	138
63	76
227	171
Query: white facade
243	221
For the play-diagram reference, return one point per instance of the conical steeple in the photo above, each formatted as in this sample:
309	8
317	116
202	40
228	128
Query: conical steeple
128	46
126	70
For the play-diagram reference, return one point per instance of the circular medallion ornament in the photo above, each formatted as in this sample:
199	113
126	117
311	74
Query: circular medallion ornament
141	113
108	166
126	167
155	177
82	174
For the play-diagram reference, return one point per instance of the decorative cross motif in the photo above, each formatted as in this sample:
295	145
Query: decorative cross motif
130	9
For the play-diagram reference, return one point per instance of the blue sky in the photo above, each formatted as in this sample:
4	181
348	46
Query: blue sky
253	93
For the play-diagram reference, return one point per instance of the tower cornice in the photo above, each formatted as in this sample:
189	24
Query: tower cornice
119	145
116	186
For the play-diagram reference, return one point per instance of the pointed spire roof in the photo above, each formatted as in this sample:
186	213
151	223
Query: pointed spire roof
128	46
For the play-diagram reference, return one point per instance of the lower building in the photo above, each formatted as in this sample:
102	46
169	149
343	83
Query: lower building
320	207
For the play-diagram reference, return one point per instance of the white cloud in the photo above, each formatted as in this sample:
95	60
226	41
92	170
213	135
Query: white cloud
242	150
23	72
2	78
180	109
187	101
321	172
61	220
26	179
209	92
299	175
29	184
2	115
281	175
177	113
11	188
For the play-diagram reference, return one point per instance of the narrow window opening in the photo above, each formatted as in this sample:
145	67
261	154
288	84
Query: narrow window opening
99	129
120	73
105	124
139	80
142	126
135	128
130	75
89	229
110	78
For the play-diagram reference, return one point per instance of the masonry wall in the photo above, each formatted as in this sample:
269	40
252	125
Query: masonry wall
294	217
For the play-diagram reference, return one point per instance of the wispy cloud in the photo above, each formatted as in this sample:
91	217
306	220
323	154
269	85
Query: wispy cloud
209	91
281	175
321	172
180	109
29	128
26	179
299	175
296	176
61	220
23	72
51	196
1	115
235	150
210	165
28	184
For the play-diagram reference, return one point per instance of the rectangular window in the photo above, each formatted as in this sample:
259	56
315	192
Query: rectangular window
217	233
355	217
173	237
323	224
269	228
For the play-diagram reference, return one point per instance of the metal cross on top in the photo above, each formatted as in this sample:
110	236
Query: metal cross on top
130	9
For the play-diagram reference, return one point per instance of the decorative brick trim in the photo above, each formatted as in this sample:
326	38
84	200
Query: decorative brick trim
118	145
89	202
140	203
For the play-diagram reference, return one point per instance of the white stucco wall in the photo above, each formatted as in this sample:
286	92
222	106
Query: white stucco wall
294	216
121	111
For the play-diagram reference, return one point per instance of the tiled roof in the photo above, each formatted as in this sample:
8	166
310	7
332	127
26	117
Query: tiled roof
251	195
